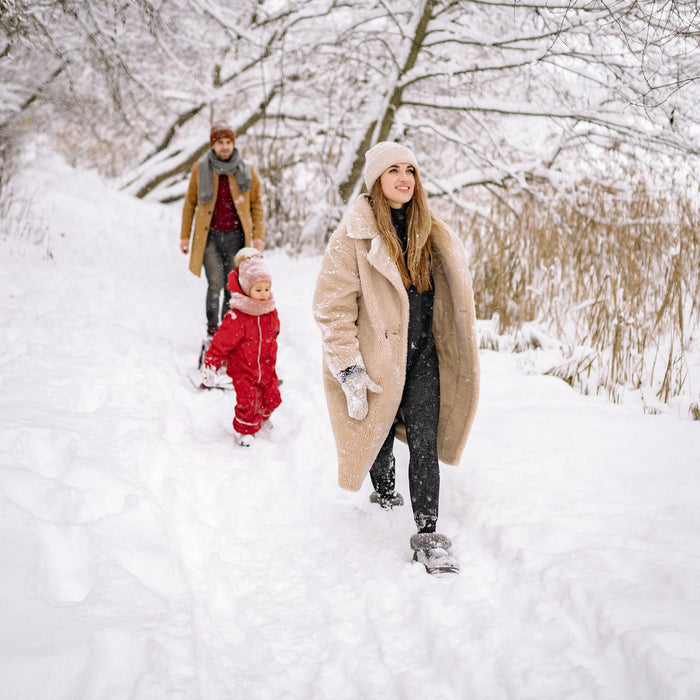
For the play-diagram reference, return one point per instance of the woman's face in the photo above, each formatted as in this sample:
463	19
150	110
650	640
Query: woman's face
398	182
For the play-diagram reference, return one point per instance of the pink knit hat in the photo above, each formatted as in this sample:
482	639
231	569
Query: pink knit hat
252	271
383	155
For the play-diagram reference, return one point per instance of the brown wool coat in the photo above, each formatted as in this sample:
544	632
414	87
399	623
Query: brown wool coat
249	207
361	307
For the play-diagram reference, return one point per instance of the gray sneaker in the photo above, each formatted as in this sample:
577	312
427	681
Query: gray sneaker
433	551
245	440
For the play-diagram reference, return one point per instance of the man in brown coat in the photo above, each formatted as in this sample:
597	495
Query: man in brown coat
224	200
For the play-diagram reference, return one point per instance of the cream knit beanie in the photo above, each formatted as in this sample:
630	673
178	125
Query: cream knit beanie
383	155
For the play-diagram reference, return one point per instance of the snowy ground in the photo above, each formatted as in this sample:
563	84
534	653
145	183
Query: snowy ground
145	556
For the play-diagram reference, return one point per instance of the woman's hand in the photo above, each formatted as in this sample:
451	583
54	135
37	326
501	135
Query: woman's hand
355	386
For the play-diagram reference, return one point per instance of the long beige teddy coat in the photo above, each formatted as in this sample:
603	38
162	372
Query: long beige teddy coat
361	307
249	207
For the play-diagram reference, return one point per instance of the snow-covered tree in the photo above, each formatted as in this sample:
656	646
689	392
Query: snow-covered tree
490	93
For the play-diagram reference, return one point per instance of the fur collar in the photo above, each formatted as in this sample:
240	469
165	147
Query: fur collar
361	224
360	221
252	307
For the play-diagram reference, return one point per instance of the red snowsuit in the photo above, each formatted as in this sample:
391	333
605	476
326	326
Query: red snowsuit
247	343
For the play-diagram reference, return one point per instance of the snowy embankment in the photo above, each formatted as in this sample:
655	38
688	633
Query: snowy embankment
145	556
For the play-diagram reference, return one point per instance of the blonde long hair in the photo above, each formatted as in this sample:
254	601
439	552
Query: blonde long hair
421	227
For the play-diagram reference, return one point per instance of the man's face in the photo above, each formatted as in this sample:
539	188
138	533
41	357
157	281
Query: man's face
223	148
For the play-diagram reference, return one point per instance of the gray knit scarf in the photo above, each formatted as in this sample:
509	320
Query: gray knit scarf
234	165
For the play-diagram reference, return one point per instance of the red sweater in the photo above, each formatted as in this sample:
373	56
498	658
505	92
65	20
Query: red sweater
225	217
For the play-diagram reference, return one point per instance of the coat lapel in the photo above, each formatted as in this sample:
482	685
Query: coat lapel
379	258
361	224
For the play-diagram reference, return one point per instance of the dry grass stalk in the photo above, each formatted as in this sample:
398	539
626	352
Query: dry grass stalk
617	275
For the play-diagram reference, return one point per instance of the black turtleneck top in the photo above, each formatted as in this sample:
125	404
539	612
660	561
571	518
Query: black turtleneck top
420	318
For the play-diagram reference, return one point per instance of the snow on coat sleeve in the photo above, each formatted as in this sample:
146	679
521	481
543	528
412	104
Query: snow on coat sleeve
335	303
224	342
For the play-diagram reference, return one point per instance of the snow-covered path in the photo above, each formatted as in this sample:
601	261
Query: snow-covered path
145	556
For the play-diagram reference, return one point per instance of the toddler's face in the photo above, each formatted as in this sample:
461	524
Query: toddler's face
260	291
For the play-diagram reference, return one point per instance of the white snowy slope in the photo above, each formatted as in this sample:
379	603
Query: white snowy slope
145	556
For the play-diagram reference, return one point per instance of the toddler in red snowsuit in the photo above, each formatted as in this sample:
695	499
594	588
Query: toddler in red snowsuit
247	342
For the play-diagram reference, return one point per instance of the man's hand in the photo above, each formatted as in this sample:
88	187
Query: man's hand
258	244
185	245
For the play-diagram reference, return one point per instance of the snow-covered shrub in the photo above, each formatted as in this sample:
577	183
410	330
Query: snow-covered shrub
613	274
20	231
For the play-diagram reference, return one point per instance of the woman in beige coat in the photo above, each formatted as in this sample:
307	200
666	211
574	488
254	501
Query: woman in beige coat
396	311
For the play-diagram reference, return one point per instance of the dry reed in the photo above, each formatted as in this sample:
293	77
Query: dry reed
616	279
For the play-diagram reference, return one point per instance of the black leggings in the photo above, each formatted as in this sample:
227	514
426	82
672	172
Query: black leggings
222	247
420	408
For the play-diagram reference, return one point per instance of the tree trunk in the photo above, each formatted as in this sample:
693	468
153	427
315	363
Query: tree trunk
386	120
185	164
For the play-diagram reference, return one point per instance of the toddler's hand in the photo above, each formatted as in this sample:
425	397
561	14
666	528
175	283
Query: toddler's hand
208	376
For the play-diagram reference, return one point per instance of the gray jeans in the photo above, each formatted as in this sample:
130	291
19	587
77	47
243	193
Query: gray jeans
222	247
